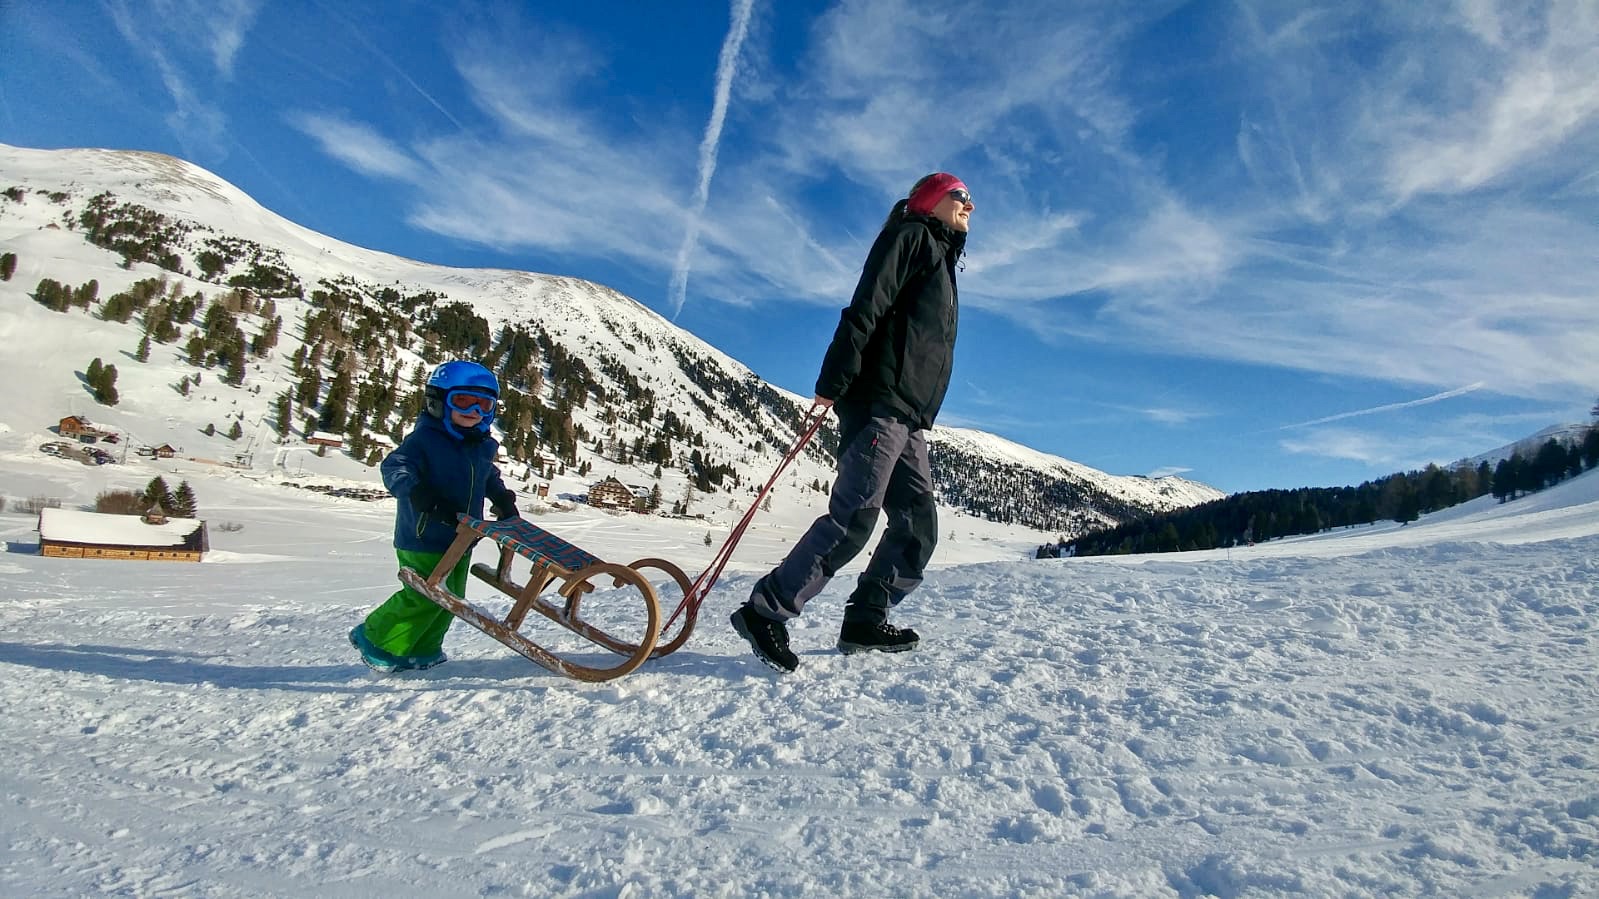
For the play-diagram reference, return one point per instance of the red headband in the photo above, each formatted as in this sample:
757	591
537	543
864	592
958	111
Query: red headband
924	198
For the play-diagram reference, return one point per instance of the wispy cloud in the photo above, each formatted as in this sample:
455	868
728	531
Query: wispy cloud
171	33
1390	407
227	21
355	30
358	146
1168	471
726	70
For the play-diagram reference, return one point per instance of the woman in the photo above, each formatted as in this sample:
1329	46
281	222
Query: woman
885	375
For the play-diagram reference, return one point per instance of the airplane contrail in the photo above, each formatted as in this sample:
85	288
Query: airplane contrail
726	69
1448	394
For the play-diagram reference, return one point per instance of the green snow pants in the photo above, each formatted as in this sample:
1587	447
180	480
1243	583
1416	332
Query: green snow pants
408	623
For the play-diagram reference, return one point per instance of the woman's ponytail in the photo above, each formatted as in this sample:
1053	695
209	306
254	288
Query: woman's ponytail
896	215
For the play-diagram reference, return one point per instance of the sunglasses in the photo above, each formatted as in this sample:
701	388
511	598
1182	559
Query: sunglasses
962	196
466	402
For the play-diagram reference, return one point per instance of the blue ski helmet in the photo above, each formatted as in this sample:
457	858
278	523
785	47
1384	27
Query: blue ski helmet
455	377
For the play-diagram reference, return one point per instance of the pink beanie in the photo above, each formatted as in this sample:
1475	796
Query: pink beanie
932	189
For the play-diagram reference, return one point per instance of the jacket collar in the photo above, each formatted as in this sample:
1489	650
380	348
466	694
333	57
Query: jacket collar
954	240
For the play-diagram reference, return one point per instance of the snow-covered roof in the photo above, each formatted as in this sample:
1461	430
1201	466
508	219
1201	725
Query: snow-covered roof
73	526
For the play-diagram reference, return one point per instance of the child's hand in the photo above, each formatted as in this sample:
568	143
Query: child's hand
427	500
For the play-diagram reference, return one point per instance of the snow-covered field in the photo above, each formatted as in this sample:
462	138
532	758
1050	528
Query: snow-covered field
1388	711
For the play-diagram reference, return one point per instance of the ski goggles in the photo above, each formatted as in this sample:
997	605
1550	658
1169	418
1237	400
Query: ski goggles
468	402
962	196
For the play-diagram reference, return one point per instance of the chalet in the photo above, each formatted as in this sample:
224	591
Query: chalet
164	451
81	429
323	438
541	490
70	534
610	494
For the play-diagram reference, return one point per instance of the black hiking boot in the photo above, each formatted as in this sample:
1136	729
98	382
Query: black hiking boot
864	636
769	638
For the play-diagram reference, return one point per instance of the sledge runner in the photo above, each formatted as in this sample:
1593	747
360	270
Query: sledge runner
443	467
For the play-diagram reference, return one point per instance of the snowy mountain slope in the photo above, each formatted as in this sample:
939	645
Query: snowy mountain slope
1083	498
1377	712
1528	447
744	423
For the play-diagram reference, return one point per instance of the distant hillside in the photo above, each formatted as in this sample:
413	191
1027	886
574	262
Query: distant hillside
1528	447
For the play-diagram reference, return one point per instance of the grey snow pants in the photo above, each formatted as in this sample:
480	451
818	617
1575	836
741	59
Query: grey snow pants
882	466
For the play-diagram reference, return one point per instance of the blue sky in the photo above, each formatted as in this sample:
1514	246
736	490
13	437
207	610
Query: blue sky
1260	244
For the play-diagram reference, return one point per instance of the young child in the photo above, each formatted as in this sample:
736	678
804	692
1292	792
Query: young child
443	467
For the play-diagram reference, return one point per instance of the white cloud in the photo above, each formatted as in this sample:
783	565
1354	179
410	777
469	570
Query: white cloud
358	146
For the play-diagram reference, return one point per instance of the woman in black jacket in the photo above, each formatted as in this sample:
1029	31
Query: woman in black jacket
885	374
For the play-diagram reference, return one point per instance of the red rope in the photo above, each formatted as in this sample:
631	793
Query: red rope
702	586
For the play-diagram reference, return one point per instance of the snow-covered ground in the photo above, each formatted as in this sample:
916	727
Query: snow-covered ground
1385	711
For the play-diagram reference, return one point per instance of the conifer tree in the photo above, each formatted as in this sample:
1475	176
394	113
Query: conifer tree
157	492
103	382
281	410
184	503
235	375
143	354
8	266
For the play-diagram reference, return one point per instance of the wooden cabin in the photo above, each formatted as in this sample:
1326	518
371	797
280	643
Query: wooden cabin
81	429
153	536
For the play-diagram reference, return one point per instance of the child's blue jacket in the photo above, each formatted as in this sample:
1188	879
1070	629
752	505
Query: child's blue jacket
461	473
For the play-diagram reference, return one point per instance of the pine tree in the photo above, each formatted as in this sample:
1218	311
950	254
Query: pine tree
143	354
184	504
157	493
281	410
8	266
103	382
235	432
335	408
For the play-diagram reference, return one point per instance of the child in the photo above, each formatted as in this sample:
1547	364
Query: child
444	466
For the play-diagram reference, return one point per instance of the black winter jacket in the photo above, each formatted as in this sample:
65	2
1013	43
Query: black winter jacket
895	343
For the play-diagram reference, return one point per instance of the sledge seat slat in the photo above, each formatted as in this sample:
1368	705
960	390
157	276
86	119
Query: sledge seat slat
532	541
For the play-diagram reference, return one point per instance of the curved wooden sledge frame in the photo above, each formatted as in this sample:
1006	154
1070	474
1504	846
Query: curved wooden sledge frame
554	561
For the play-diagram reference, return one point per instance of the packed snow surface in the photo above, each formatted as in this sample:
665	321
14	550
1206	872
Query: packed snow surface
1384	711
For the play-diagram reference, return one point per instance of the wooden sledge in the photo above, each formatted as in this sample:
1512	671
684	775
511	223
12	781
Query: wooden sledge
575	573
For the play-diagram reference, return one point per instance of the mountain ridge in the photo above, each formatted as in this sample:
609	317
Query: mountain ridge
640	372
